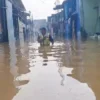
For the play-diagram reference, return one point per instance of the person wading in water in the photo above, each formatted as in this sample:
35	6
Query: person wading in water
45	39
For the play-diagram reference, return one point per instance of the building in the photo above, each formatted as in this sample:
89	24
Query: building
56	23
90	16
13	20
19	18
3	22
70	10
38	24
87	16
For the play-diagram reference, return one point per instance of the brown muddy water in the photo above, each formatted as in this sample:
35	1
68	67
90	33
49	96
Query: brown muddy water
65	71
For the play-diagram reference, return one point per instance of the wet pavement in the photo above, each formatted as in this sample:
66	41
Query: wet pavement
65	71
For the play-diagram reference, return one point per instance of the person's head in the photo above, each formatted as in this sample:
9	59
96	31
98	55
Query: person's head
43	30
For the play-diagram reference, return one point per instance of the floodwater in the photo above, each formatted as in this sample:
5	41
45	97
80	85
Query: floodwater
65	71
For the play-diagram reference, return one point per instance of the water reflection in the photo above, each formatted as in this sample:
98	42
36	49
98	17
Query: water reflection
11	63
56	72
45	54
7	86
62	76
13	60
88	71
46	82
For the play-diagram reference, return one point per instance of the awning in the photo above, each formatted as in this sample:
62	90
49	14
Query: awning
18	4
58	7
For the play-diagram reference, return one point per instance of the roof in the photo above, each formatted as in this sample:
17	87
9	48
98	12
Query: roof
18	4
60	6
64	2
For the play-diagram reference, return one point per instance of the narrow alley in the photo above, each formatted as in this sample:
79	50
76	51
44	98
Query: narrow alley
49	50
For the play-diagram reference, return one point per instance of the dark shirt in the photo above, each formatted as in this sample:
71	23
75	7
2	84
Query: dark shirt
51	39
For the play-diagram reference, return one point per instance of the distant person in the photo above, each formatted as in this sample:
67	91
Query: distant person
45	39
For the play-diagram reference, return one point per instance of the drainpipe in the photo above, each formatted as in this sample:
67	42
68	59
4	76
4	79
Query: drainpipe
4	20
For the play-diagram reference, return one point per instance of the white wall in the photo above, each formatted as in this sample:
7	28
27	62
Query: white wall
11	37
90	16
21	34
10	25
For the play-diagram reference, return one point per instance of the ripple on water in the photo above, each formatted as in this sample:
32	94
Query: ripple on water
59	72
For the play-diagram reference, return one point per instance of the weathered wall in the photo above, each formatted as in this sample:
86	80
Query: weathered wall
10	25
89	15
21	34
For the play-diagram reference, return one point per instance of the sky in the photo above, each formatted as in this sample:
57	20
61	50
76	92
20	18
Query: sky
40	8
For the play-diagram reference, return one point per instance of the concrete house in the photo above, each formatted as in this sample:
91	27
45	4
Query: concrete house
3	25
90	15
12	20
64	16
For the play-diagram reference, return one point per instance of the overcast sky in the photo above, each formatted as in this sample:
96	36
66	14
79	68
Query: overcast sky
40	8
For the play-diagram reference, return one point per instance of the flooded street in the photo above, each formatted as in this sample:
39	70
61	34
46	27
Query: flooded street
65	71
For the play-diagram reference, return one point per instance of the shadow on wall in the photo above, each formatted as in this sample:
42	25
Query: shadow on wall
1	38
84	34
